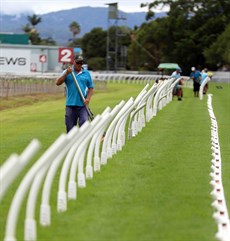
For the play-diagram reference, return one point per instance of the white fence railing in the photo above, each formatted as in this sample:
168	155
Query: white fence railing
219	204
81	152
201	90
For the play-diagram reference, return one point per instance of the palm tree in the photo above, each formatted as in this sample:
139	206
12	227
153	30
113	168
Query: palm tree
75	28
26	28
33	34
34	19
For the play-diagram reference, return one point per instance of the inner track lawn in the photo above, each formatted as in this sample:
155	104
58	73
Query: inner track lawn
156	189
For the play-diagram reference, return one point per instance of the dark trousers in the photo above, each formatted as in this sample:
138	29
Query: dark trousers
75	115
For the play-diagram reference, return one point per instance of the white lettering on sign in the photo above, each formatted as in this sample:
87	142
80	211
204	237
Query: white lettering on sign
42	58
14	60
65	55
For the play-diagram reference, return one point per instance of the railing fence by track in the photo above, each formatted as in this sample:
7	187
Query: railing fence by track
219	205
14	85
81	152
27	86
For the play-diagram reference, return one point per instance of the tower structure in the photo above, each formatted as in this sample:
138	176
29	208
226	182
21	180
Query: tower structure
115	52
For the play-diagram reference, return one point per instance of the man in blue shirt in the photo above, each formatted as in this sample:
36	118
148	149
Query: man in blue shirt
204	75
196	77
76	112
178	88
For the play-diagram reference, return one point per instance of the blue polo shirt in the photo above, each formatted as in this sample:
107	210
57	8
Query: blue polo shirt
85	82
196	76
204	76
175	75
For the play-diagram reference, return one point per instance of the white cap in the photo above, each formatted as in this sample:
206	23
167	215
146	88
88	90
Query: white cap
193	68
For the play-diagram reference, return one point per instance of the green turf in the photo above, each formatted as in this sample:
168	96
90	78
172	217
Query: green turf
156	188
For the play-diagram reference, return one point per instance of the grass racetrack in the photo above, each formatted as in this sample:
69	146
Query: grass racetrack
156	189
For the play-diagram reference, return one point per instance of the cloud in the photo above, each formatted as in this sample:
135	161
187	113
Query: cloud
44	6
15	7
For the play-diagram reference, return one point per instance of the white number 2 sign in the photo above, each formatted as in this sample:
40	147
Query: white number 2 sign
65	55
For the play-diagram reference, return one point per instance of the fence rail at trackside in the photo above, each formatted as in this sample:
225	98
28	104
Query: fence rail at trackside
219	203
83	154
14	85
18	84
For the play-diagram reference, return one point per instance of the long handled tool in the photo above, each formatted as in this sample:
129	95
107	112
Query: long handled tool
83	98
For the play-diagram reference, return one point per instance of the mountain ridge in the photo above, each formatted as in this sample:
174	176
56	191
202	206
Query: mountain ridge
56	24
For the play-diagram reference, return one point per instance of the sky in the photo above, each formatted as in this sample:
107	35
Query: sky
45	6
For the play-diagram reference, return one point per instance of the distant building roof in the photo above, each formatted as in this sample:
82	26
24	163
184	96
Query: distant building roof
11	38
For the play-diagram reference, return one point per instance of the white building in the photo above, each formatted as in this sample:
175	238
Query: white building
23	59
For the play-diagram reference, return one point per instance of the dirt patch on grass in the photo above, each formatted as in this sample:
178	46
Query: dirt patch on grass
16	101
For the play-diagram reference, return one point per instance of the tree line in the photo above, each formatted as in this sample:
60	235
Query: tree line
194	33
